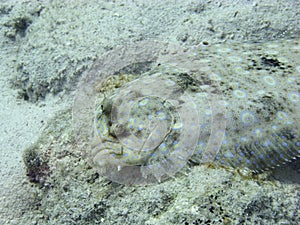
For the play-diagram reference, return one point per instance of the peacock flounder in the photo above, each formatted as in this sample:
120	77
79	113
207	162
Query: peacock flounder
145	110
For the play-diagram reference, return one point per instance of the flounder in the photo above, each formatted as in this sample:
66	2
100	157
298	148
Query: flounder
147	109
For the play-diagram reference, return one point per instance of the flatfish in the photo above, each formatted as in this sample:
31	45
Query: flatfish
145	110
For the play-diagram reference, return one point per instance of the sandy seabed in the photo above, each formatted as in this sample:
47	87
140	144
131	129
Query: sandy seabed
45	48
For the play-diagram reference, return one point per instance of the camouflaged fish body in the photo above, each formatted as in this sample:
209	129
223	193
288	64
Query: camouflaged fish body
262	97
236	106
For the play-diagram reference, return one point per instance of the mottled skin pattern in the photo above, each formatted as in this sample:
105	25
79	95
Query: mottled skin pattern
232	105
262	96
